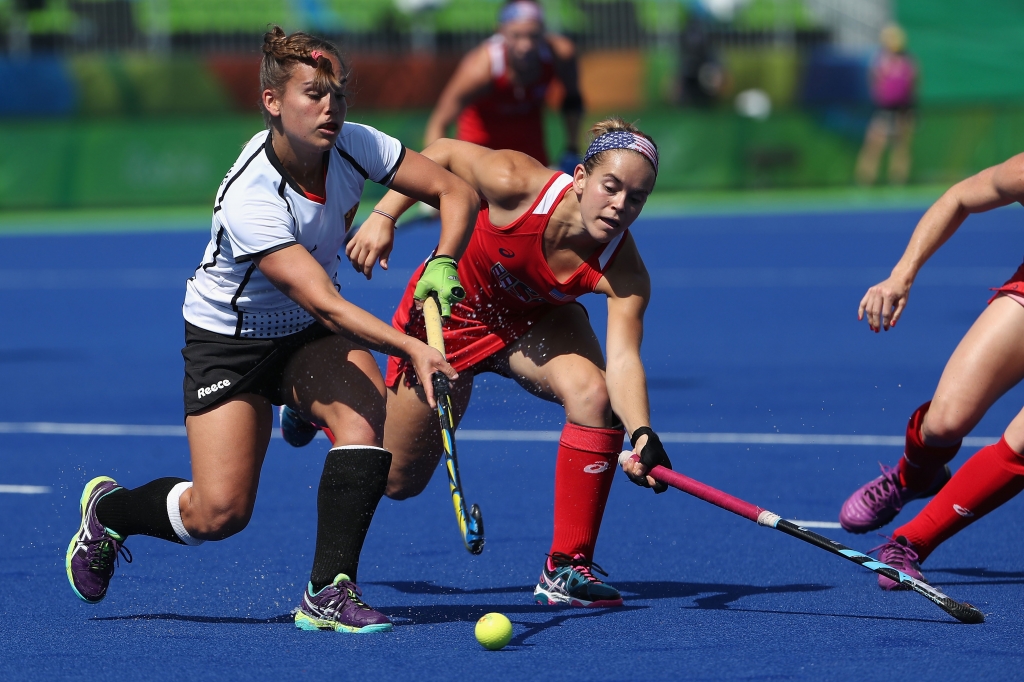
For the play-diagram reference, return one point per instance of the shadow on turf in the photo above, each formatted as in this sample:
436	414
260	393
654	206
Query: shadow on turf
273	620
404	616
717	595
856	616
719	598
989	577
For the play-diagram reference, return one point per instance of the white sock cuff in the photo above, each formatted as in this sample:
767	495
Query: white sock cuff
174	514
359	447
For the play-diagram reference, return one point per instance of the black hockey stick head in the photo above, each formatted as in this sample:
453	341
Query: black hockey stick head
475	531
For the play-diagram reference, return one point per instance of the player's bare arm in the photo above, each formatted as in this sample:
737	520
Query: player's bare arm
507	180
467	162
297	274
991	188
628	288
471	79
418	179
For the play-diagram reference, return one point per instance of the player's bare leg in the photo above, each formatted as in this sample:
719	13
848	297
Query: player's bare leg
228	443
899	157
336	382
560	360
413	435
988	362
988	479
870	156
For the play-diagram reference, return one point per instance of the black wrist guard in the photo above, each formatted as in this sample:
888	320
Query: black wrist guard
652	455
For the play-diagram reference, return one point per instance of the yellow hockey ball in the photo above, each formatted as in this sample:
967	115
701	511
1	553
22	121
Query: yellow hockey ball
493	631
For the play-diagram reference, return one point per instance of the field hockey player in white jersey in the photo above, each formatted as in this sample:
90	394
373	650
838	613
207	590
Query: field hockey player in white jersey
265	324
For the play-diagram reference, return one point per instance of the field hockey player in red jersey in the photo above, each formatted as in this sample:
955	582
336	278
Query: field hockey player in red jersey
541	241
497	95
987	363
265	325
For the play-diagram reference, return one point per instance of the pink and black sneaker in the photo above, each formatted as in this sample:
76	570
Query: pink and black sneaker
94	549
877	502
570	580
899	554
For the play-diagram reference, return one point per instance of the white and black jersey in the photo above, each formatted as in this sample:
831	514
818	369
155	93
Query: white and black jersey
260	209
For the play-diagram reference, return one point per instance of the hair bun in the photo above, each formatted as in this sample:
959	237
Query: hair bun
273	40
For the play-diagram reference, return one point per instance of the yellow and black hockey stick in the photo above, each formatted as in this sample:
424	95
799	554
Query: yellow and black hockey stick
471	525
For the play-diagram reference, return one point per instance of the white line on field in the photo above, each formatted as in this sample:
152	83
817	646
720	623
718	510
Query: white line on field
65	429
25	489
59	429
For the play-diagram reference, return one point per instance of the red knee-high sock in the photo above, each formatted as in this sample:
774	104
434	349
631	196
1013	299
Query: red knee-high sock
921	463
587	457
991	477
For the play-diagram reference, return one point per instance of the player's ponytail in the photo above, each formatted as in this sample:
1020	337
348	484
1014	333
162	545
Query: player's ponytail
615	124
282	52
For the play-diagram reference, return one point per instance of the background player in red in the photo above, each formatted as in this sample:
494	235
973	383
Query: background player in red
987	363
496	97
541	241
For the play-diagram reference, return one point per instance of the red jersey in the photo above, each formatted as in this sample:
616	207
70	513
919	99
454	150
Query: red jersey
509	116
509	285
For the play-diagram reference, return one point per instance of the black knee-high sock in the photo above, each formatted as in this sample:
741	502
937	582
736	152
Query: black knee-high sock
351	486
139	511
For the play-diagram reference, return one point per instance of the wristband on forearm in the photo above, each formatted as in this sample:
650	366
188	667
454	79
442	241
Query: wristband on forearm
390	217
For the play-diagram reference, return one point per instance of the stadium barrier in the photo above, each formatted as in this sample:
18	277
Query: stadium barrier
166	161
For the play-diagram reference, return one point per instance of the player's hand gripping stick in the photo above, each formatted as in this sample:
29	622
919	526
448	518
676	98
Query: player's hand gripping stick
472	524
962	611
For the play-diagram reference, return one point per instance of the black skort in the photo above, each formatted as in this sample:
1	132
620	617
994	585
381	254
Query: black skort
219	366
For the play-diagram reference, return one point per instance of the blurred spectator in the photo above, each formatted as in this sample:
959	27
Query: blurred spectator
702	75
893	82
496	96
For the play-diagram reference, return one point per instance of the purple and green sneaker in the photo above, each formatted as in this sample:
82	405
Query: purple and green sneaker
339	607
877	502
899	554
94	549
570	581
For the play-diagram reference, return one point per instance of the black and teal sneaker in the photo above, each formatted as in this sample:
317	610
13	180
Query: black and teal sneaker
569	580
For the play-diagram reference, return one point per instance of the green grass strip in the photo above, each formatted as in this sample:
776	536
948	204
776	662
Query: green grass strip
746	202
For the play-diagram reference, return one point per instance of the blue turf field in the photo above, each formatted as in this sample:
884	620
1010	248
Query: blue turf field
752	330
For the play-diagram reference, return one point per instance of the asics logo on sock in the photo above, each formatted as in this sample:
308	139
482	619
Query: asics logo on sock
963	511
214	388
596	468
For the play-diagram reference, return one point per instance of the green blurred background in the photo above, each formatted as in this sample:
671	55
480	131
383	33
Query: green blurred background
146	103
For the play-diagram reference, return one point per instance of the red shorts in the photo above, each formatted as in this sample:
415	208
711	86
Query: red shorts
469	337
1014	287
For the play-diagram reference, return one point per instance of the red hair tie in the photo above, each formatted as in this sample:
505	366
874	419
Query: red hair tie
316	54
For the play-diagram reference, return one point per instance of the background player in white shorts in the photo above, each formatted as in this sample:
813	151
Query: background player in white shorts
265	324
